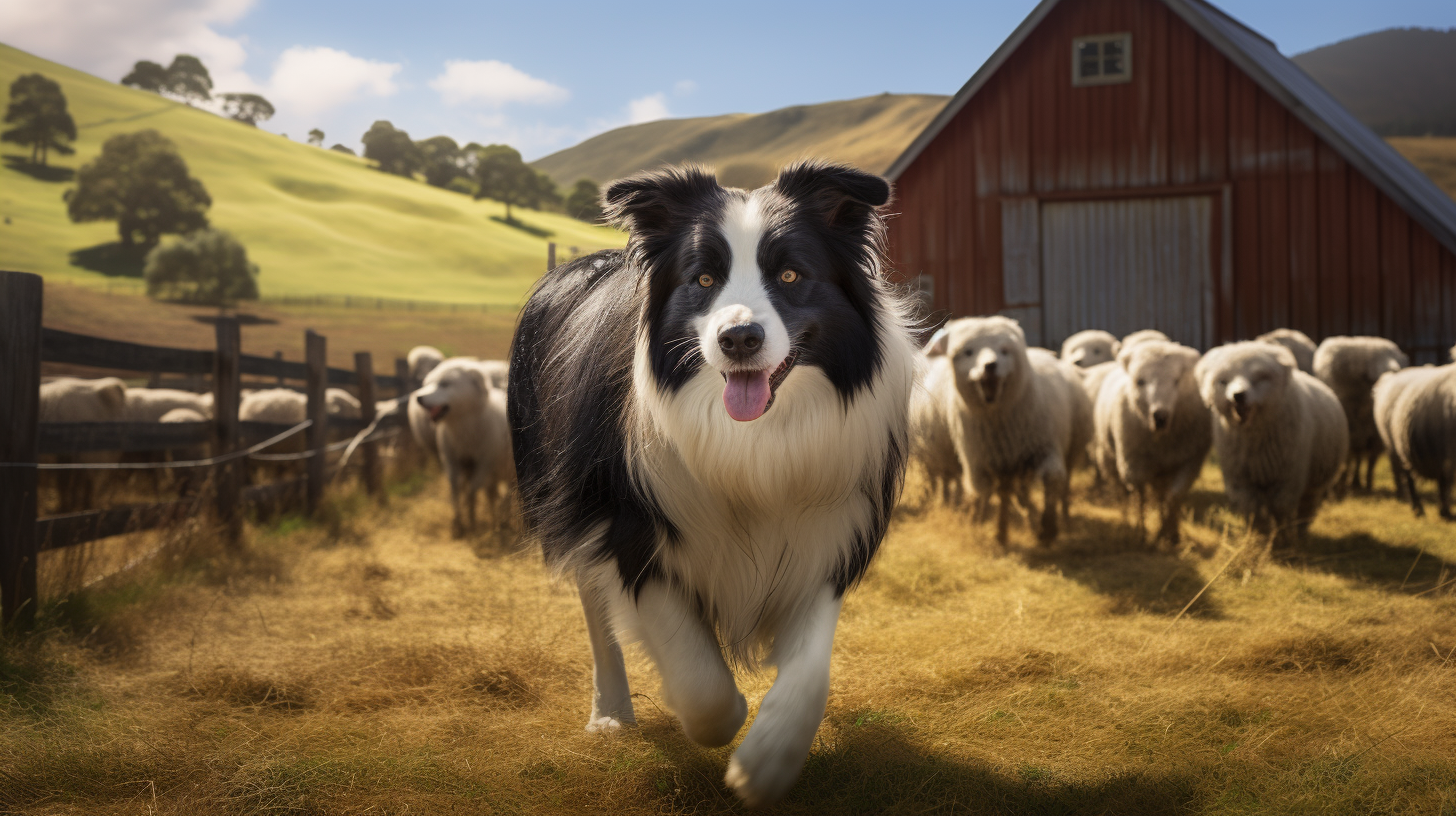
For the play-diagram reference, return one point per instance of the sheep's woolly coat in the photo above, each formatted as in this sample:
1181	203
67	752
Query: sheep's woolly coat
151	404
1280	460
931	442
471	434
1153	429
1350	366
422	360
1143	336
1091	347
1423	430
1298	344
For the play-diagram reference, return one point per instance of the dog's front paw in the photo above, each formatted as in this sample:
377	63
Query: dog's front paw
761	777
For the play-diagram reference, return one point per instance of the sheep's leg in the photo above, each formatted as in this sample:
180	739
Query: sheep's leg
1443	494
1173	496
1004	489
611	693
1142	513
457	520
1370	471
1415	495
1054	485
1399	476
982	484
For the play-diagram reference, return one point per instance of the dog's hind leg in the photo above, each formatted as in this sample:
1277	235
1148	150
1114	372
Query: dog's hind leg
611	694
696	684
768	762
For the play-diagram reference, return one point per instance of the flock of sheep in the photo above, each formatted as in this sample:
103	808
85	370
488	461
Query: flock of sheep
1292	422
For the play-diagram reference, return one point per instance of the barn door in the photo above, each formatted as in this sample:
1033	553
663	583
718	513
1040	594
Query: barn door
1128	264
1021	265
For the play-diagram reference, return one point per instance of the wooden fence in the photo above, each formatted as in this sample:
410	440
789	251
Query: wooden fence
25	343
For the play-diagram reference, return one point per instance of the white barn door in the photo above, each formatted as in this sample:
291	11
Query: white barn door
1128	264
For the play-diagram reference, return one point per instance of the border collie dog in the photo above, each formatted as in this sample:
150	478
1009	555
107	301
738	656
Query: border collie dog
710	432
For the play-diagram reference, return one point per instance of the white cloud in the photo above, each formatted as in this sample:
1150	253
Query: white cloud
493	83
683	87
107	38
647	109
313	80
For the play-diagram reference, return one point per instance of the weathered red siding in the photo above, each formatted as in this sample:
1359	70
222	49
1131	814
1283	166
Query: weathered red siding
1315	245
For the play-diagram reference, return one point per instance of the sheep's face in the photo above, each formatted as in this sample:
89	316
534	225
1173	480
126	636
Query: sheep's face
1392	359
1160	373
453	389
1242	380
1089	348
989	356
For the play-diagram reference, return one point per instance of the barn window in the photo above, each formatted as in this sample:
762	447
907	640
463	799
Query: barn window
1102	60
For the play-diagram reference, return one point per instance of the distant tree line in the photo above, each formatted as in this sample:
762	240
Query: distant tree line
187	79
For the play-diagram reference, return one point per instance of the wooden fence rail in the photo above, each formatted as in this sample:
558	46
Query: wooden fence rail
24	344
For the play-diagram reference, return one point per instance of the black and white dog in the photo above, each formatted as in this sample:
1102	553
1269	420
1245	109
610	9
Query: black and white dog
710	432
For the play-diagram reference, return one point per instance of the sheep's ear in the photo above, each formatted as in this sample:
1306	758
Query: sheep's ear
659	201
939	343
1285	357
1124	358
842	195
1116	347
113	394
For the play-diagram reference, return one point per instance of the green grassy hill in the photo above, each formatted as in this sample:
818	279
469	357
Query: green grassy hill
748	149
315	221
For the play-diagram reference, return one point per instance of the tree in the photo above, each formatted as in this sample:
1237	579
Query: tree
585	201
141	181
441	157
316	137
503	176
208	266
188	80
249	108
147	75
540	191
392	149
38	111
338	148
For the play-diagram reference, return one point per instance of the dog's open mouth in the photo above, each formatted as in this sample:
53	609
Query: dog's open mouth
438	412
748	394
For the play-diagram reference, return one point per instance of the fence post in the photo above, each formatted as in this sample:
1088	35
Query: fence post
316	357
550	255
226	394
278	355
20	309
364	367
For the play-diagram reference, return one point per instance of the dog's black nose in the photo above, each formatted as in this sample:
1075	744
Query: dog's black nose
990	369
742	341
1160	418
1240	397
420	398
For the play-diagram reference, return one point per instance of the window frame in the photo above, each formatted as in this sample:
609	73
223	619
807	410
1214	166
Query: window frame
1079	81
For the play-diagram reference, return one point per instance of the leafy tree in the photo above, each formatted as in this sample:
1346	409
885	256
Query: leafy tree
208	266
502	175
147	75
442	157
188	80
141	181
38	112
585	201
316	137
338	148
392	149
540	191
246	107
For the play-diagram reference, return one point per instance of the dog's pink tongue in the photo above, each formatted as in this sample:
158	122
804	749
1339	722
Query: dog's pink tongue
745	395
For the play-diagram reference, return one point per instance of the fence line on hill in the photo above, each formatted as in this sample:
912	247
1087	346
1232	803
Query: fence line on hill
24	439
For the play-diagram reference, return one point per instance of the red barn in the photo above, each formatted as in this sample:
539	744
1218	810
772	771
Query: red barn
1128	164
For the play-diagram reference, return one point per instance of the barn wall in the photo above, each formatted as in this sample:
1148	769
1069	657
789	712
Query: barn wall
1315	246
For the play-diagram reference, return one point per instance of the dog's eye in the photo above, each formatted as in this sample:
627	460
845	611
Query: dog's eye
789	276
705	280
1142	383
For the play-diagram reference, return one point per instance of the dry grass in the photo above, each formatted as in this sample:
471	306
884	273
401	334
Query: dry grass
1434	155
374	665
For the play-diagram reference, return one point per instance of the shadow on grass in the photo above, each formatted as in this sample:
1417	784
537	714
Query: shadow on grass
49	172
1363	557
513	223
243	318
876	767
112	259
1108	558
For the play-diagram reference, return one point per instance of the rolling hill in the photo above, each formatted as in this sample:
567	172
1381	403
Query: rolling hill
747	149
315	221
1400	82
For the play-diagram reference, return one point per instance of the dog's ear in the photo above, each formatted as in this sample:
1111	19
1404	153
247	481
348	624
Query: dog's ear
659	201
841	194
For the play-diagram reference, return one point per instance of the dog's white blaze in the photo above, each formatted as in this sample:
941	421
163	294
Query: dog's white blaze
743	298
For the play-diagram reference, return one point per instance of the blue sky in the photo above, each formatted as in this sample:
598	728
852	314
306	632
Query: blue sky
543	76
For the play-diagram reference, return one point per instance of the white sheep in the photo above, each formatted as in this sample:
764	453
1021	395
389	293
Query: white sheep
70	399
1013	418
472	435
151	404
1350	366
422	360
1298	344
498	371
930	433
341	404
1090	347
1422	428
1280	434
1383	398
1143	336
1153	430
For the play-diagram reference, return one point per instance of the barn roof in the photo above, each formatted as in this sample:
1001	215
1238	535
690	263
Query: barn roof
1257	57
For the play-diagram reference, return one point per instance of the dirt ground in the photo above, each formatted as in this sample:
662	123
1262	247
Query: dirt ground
368	663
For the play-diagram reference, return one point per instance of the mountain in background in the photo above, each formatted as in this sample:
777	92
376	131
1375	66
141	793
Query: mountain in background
748	149
1400	82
